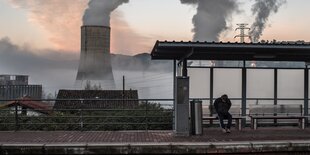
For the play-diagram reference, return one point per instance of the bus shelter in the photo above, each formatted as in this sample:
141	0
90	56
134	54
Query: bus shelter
183	52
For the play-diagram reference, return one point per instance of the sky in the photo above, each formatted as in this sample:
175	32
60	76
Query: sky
42	38
55	24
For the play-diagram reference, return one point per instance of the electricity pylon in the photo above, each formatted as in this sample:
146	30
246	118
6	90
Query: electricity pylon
242	27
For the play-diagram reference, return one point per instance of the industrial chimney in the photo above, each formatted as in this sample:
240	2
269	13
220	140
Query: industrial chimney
95	58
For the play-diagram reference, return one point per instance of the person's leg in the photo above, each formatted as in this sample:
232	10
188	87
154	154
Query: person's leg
221	118
229	118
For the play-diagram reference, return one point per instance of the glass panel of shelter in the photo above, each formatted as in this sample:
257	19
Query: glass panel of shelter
260	85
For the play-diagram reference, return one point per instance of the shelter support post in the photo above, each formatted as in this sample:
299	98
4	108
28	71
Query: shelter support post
184	68
174	83
275	92
306	94
211	90
275	87
243	94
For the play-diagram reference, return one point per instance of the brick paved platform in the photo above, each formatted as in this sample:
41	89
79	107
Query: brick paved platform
210	135
212	141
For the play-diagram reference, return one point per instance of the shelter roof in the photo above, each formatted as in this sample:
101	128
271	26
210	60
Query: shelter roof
171	50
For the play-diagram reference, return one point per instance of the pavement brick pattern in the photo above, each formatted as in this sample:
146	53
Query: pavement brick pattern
210	135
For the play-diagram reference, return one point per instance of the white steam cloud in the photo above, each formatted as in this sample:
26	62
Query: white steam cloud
211	18
60	19
42	68
57	69
99	11
262	9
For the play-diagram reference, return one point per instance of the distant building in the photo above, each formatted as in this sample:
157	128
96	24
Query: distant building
111	99
16	86
28	107
13	80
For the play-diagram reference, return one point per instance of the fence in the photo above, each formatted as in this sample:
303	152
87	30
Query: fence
147	114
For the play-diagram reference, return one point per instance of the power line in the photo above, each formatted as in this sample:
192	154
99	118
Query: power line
147	77
151	81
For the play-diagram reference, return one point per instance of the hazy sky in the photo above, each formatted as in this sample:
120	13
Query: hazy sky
41	38
55	24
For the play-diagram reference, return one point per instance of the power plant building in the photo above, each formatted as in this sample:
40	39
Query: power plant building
95	58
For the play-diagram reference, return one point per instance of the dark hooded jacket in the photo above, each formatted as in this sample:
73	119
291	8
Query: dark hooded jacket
222	107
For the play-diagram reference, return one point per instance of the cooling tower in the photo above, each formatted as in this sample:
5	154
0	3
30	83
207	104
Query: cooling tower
95	58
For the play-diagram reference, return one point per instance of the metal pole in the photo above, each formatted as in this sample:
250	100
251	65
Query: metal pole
275	92
81	120
184	71
16	117
211	90
192	110
174	92
146	117
275	97
123	84
243	102
306	94
123	95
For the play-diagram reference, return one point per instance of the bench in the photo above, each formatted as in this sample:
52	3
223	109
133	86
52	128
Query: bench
254	120
234	110
276	112
237	119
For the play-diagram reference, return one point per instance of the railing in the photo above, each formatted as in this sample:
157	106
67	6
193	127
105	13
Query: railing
145	114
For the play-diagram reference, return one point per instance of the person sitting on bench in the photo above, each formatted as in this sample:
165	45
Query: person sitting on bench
222	106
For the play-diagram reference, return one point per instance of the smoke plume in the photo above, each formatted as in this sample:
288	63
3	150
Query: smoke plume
211	18
49	64
99	11
262	9
62	26
59	19
57	69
